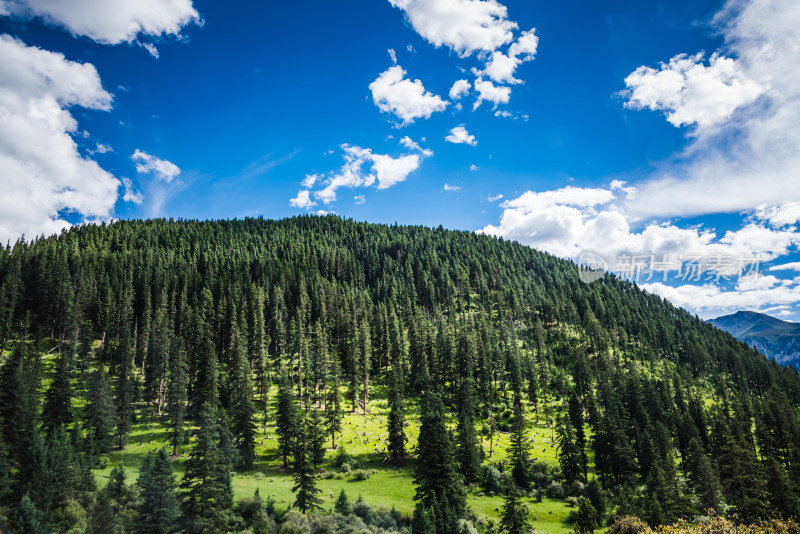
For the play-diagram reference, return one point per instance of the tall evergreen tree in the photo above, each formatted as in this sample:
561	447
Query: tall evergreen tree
518	448
333	409
469	459
286	418
206	483
514	517
305	478
100	411
396	419
159	507
439	485
57	409
242	410
177	397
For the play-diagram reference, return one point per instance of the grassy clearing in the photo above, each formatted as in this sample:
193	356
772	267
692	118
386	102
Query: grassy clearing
363	437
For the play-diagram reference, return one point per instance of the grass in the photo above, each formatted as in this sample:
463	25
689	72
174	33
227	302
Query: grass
363	437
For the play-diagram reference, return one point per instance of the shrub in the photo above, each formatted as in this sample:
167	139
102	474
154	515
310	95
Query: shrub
346	469
491	479
361	475
362	510
555	490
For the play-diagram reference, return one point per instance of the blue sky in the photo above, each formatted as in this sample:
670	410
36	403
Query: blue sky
631	129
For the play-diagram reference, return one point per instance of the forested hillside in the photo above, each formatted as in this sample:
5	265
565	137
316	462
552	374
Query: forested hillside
154	374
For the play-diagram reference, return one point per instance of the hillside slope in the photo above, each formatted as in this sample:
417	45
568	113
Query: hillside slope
777	339
465	377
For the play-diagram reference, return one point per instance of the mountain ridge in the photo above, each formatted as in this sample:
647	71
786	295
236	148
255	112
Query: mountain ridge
777	339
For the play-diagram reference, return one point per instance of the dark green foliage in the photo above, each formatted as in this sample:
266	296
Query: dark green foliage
514	518
439	485
172	319
305	477
206	483
588	519
316	438
421	522
286	418
28	519
342	505
396	421
159	507
100	411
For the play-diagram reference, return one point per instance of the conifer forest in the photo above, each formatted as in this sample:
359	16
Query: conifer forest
315	375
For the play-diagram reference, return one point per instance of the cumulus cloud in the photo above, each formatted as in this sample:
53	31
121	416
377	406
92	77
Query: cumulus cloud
43	174
302	200
689	92
751	159
460	135
473	167
110	21
491	93
460	88
408	100
364	168
160	168
502	67
464	26
448	187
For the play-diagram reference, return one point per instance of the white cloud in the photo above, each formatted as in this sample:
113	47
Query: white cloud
473	167
384	171
491	93
570	220
100	149
110	21
465	26
151	48
501	67
392	56
42	172
448	187
410	144
309	181
690	92
460	88
302	200
460	135
781	214
792	266
161	168
131	194
393	93
494	198
359	199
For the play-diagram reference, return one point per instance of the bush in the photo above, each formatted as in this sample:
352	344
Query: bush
629	524
362	510
361	475
346	469
555	490
341	457
572	501
491	479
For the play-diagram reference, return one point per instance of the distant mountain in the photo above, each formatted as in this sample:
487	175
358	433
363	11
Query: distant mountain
779	340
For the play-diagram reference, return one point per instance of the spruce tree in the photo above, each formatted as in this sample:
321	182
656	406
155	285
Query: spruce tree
469	458
57	409
159	507
100	411
421	521
316	438
514	516
518	448
304	474
176	398
333	409
396	419
342	505
28	519
206	483
439	485
286	417
242	410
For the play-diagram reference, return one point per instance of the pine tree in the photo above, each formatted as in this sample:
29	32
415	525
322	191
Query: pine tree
439	486
57	409
158	508
514	517
305	478
206	483
469	459
100	411
587	519
333	409
176	398
286	418
316	438
518	448
421	521
242	410
342	505
28	519
396	419
569	454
